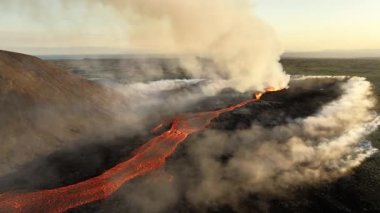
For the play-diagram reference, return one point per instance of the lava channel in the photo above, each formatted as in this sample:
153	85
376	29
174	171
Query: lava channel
149	157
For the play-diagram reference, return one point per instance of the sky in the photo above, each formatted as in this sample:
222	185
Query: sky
315	25
52	27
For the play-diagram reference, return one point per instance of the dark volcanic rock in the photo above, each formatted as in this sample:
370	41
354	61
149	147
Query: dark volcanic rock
303	98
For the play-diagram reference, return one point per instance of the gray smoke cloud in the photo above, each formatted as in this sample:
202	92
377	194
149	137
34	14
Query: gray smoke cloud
320	147
226	31
49	128
270	160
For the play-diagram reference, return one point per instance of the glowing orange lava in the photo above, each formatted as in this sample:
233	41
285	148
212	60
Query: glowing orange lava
150	156
271	89
258	95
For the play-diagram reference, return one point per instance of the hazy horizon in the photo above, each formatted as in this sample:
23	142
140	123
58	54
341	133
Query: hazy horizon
67	27
90	52
333	54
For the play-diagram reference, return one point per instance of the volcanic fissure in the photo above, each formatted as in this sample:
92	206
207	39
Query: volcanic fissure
149	157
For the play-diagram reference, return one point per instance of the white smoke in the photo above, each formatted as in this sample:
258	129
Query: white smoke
270	161
145	105
321	147
177	94
244	48
227	31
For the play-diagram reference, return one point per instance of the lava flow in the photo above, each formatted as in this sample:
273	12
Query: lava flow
150	156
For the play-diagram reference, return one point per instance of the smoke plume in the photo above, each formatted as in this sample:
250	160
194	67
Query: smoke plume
224	167
226	31
320	147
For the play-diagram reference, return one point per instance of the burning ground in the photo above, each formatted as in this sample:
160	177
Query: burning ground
310	133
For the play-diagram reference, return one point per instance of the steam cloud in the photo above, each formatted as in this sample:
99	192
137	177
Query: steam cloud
226	31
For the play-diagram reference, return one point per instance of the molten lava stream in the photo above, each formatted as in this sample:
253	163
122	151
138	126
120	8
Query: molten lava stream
148	157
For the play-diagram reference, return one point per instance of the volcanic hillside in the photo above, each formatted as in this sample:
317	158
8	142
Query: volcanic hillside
43	107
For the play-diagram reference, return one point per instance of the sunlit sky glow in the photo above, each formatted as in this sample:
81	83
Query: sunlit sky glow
306	25
51	27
